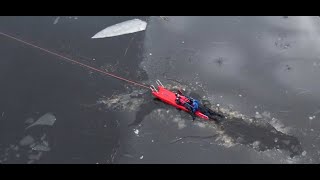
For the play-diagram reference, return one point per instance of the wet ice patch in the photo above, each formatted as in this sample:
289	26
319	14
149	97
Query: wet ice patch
279	126
124	102
176	120
161	113
122	28
201	124
225	141
181	123
47	120
175	87
229	113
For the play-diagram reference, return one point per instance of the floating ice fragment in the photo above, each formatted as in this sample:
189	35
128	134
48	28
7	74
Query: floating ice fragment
122	28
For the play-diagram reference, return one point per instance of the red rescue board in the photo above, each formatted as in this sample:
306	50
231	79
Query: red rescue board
170	98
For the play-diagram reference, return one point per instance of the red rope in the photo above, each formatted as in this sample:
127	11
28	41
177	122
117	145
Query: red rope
74	61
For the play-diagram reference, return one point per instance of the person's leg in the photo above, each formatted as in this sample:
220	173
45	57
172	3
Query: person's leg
211	114
203	110
186	105
215	113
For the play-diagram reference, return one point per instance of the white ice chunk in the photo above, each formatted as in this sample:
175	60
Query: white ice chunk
122	28
26	141
136	131
56	20
47	119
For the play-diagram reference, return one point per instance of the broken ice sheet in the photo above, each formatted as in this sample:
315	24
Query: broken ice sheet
122	28
47	119
43	146
26	141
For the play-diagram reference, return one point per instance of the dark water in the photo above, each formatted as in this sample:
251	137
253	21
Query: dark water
266	67
34	83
